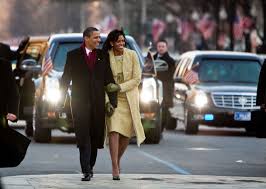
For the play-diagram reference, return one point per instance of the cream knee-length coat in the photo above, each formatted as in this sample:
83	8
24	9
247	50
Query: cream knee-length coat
132	77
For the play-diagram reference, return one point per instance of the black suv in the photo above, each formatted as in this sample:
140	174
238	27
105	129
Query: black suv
47	92
216	88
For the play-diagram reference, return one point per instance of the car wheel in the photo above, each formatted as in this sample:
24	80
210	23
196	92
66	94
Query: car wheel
191	127
29	129
171	124
41	134
154	135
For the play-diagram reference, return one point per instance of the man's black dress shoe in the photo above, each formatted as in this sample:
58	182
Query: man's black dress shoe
87	177
91	174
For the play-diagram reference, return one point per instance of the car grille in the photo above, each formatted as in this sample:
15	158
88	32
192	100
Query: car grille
238	101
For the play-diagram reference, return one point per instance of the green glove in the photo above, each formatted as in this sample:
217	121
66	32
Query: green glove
112	87
109	109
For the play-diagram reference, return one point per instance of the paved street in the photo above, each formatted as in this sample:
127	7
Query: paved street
223	152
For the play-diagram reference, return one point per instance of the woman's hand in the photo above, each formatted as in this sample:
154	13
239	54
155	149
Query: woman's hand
112	87
109	109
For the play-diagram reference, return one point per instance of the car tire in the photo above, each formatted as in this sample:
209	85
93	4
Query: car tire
42	135
250	131
191	127
171	124
154	135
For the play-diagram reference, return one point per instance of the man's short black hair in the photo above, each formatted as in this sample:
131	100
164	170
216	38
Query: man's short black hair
162	40
88	31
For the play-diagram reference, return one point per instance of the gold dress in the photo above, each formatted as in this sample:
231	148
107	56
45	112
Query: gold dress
121	120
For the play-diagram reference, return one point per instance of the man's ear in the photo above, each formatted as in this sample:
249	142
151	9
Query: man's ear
86	38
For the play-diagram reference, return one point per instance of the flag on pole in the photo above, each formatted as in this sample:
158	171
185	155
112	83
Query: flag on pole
47	66
191	77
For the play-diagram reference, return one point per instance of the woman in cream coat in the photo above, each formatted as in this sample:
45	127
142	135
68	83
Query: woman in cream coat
125	121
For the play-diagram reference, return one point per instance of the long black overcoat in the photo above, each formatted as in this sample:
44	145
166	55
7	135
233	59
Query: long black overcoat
9	95
167	79
261	90
88	95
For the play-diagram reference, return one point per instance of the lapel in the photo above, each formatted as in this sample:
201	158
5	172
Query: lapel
82	57
83	62
98	57
125	61
112	61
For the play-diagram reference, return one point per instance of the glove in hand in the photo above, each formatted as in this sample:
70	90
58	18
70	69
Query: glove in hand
109	109
112	87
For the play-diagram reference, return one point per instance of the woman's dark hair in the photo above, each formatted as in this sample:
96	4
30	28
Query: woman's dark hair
112	37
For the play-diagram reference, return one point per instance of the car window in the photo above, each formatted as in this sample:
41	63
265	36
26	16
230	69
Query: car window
237	71
61	53
63	48
34	51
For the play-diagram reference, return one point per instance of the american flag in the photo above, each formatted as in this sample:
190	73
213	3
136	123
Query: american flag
48	65
191	77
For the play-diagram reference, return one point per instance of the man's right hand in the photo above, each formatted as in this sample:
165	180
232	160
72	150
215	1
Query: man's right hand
11	117
109	109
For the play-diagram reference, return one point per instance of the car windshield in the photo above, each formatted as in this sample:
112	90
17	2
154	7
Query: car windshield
59	59
235	71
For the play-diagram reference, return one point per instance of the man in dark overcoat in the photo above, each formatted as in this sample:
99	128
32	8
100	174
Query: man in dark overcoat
166	77
89	70
259	116
9	95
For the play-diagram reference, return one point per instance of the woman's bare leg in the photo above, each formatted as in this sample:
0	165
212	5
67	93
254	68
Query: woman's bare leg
114	148
123	143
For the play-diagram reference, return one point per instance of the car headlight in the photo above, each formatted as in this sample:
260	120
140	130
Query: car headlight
52	92
148	91
200	99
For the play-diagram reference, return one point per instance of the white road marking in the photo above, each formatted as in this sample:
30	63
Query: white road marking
170	165
203	149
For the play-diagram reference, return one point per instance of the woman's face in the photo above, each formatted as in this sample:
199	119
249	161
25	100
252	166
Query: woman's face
119	44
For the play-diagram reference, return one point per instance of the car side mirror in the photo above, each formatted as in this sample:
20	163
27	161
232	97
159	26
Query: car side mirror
161	65
30	65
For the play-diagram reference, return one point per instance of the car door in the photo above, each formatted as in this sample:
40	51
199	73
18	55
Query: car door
180	89
25	79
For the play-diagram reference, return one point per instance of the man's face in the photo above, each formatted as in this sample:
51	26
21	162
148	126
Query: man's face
161	48
93	41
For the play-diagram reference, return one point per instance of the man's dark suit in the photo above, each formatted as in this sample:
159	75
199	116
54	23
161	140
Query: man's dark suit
258	117
9	95
168	84
13	145
88	101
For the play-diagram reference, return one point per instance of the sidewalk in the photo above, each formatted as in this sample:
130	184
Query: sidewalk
132	181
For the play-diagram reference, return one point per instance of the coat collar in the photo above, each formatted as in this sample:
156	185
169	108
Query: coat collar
125	58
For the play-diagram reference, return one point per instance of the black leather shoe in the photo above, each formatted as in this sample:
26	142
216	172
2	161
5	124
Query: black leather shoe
87	177
91	174
116	177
